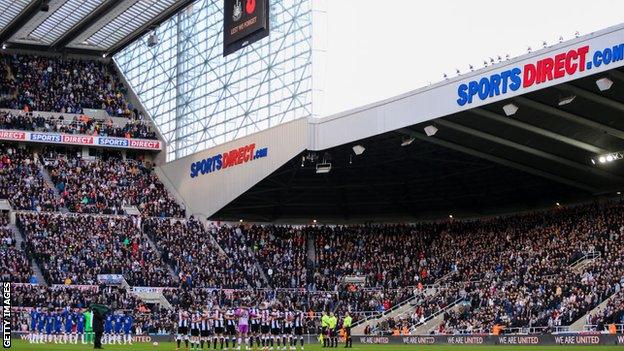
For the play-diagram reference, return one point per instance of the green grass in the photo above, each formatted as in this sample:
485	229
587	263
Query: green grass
23	345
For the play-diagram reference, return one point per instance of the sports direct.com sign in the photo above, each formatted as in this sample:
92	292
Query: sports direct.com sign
232	158
86	140
557	66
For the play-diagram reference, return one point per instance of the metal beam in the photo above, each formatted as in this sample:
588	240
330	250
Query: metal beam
501	161
592	96
87	22
537	130
529	150
27	14
570	117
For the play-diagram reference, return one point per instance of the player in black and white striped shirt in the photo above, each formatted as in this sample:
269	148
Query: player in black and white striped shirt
254	315
265	326
287	331
276	327
230	328
299	326
205	328
195	321
219	326
183	329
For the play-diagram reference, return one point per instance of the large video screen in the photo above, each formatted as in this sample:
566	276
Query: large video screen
245	22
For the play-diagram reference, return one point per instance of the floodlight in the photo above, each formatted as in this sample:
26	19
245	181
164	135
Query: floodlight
510	109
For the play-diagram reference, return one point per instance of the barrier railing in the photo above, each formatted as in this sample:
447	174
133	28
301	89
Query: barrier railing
587	255
594	328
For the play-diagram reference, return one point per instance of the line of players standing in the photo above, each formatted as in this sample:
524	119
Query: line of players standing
62	326
251	327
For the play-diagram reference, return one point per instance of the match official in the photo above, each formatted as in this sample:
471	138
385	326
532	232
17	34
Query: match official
325	328
346	324
333	333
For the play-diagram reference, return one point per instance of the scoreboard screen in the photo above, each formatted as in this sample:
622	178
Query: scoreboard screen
245	22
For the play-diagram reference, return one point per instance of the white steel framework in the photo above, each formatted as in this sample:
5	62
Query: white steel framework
199	99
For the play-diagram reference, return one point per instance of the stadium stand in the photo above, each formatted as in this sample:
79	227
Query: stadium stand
13	261
376	253
163	213
532	272
62	296
39	83
612	313
236	244
188	247
280	251
74	249
21	182
105	185
74	124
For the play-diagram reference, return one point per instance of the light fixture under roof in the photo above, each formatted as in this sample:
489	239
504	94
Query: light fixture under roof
566	100
510	109
358	149
407	141
604	83
323	168
431	130
607	158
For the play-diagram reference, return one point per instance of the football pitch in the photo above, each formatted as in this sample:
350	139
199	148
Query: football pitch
169	346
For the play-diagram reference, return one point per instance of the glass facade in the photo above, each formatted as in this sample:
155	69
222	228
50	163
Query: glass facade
199	99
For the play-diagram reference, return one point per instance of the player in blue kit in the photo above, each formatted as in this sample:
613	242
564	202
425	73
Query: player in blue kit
108	330
118	327
34	319
40	328
80	327
68	324
58	327
127	326
49	326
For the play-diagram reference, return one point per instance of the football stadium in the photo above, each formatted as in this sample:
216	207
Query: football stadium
169	181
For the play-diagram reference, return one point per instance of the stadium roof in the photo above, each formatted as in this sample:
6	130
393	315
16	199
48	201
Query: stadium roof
560	140
80	26
479	162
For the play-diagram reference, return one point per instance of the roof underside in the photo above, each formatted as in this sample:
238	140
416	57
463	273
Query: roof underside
81	26
480	162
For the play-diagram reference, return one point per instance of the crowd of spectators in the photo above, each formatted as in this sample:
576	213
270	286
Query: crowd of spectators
189	249
234	242
613	312
13	261
532	281
61	296
388	256
74	249
79	124
280	250
7	84
21	181
106	184
516	271
38	83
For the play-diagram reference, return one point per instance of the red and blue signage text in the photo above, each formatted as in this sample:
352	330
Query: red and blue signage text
228	159
544	70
